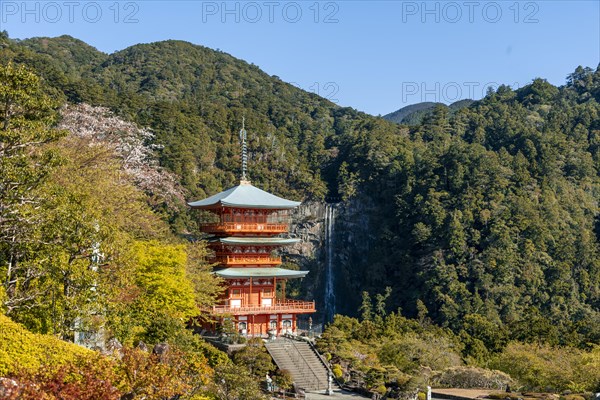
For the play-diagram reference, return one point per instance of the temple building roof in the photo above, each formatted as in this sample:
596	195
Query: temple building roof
245	196
256	241
264	272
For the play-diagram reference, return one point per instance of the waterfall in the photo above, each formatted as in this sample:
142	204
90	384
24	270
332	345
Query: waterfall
329	255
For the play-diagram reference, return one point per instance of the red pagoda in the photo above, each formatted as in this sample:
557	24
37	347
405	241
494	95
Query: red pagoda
246	226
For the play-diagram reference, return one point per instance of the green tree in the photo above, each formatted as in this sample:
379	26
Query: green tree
380	302
26	118
366	308
255	358
347	182
232	383
157	295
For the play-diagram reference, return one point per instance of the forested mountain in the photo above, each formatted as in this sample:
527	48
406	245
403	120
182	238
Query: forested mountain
496	214
415	113
398	115
487	216
194	99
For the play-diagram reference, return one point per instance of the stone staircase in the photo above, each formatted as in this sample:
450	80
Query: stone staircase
305	365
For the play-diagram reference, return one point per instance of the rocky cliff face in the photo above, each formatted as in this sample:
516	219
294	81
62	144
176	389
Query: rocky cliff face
308	224
353	238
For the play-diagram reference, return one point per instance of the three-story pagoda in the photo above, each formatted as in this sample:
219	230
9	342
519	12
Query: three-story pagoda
246	226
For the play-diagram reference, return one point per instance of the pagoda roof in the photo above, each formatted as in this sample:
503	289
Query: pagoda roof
258	241
261	272
245	196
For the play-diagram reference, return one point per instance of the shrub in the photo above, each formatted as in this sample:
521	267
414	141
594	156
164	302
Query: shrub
381	389
283	379
410	351
504	395
85	379
2	299
574	397
24	351
471	377
44	367
337	371
546	367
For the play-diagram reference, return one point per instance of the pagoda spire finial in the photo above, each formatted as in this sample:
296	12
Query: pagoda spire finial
243	136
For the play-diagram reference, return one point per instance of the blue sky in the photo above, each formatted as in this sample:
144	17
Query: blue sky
375	56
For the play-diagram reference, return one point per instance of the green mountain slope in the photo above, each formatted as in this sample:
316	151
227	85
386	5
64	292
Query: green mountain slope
73	56
415	113
194	99
496	214
399	115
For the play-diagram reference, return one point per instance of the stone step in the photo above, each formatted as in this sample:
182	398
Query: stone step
305	366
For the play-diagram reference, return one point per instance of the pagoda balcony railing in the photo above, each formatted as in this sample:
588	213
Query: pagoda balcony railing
287	306
243	227
248	260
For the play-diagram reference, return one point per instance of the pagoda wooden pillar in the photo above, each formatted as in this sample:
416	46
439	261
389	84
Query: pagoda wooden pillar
279	324
250	296
251	323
